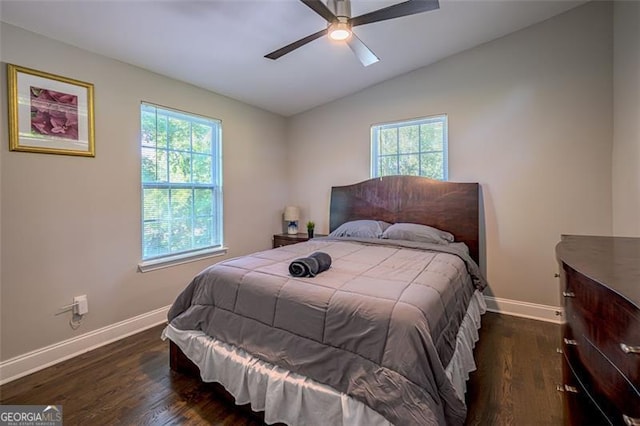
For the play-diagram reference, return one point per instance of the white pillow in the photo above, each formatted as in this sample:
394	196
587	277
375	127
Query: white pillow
416	232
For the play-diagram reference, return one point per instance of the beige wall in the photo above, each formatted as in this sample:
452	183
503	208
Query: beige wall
71	225
530	118
626	134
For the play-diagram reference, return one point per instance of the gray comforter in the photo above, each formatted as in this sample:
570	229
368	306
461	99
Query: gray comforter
380	325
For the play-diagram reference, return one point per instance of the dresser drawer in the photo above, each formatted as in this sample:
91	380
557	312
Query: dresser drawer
604	382
579	406
280	240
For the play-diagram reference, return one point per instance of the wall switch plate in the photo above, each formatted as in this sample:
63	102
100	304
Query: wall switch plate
80	305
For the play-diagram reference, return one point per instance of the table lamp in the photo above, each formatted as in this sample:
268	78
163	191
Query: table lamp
291	216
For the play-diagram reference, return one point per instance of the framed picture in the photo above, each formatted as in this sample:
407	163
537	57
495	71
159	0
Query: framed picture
49	113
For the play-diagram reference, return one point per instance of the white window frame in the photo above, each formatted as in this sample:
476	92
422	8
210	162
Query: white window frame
375	143
194	254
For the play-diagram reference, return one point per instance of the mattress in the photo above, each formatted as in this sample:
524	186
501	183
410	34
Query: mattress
379	326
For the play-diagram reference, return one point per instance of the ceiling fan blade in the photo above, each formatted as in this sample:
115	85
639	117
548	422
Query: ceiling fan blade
364	54
410	7
321	9
293	46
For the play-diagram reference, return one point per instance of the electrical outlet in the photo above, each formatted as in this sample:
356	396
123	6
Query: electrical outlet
80	305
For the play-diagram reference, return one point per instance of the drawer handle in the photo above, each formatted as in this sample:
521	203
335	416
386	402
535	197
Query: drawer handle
566	388
568	294
556	275
570	342
630	349
558	350
630	421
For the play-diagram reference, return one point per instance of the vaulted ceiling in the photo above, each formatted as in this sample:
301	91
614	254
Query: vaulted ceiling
220	45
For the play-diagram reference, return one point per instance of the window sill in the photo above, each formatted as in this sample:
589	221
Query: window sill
179	259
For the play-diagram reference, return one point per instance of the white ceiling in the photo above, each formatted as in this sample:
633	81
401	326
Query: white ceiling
219	44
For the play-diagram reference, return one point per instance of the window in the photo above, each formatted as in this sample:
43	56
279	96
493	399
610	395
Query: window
416	147
181	183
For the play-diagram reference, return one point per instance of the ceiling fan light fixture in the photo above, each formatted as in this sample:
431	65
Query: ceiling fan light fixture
339	31
337	14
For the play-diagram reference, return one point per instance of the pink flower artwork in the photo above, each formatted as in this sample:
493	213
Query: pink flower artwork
54	113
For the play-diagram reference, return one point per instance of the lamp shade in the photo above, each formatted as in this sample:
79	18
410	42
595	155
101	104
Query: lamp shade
291	213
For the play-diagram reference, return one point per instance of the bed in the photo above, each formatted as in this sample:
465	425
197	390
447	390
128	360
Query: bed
383	337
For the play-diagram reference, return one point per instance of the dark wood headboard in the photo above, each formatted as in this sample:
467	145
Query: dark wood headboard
450	206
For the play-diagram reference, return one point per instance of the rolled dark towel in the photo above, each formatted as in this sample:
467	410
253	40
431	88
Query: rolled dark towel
324	261
310	266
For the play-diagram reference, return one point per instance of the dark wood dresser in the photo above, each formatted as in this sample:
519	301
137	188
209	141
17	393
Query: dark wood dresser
280	240
600	284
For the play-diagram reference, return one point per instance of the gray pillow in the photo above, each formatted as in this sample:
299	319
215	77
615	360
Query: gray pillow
361	229
416	232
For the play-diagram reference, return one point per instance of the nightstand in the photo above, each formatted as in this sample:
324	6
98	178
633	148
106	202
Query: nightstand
280	240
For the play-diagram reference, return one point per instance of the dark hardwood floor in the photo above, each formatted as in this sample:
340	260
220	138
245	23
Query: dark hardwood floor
518	370
129	382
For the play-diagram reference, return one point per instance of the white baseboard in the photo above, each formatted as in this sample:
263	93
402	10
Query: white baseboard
524	309
39	359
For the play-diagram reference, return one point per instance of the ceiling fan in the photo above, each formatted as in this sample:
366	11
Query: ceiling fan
337	13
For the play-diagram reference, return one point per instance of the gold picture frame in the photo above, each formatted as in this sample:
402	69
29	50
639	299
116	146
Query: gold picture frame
49	114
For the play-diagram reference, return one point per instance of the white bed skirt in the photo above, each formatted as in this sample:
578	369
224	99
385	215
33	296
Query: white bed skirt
293	399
